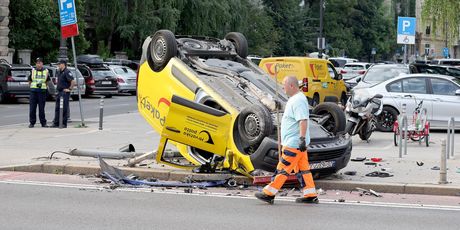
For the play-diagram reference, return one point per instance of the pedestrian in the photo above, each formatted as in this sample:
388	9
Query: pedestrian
65	83
295	136
38	83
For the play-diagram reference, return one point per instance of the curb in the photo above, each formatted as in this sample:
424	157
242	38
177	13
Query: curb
178	175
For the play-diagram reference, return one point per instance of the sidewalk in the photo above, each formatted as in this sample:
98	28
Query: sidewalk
20	145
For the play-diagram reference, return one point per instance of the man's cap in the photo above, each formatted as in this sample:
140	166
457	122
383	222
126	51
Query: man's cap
62	61
39	59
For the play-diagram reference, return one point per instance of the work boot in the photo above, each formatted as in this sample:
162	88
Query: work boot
264	197
31	126
310	200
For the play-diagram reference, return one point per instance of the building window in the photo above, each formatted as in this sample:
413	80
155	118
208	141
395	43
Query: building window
428	30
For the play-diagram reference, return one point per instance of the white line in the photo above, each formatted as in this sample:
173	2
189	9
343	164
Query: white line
225	195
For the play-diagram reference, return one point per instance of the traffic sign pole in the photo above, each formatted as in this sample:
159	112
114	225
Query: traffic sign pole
78	82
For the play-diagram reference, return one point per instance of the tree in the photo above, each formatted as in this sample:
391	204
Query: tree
443	16
38	27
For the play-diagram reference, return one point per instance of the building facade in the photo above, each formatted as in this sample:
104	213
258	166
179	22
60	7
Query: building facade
4	31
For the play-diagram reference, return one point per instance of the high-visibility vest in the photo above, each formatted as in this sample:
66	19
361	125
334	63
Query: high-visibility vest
39	77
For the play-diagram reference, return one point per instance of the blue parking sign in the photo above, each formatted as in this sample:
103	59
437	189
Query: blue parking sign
67	12
406	26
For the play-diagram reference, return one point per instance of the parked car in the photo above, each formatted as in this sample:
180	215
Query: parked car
202	95
53	71
14	81
440	95
351	70
105	82
339	62
320	80
450	62
134	65
379	73
435	69
126	78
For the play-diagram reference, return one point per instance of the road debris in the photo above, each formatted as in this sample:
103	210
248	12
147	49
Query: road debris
435	168
379	174
321	192
420	163
371	163
376	159
350	173
358	159
369	192
286	192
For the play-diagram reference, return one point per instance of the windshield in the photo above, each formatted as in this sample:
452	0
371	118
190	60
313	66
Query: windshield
353	67
124	71
102	73
379	74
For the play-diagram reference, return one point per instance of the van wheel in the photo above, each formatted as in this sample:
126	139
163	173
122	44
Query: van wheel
240	42
336	122
254	124
315	100
161	49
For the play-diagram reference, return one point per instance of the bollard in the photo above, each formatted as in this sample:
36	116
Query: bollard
61	112
400	130
449	129
101	112
443	171
405	134
451	146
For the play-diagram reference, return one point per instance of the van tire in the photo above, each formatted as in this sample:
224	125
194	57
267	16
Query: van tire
337	122
254	124
240	42
161	49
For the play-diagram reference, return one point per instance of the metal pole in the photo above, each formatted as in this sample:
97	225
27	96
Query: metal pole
400	136
321	17
78	82
61	111
405	54
452	147
406	133
443	171
449	130
101	112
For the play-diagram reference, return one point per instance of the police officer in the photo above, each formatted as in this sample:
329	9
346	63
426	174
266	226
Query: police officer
38	82
65	83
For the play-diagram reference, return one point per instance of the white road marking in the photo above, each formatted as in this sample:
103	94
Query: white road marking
224	195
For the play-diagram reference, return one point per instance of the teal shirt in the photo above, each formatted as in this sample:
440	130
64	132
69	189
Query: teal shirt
296	110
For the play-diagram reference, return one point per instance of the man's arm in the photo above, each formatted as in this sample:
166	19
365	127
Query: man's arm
72	84
303	127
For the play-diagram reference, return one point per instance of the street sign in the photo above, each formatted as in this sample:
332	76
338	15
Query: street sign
68	15
321	43
373	51
445	51
406	30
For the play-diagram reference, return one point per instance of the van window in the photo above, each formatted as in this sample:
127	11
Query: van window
332	71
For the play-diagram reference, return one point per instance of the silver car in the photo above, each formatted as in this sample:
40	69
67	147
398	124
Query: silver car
52	84
126	78
440	95
352	70
379	73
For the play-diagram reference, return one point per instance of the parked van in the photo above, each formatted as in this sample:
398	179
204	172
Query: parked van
319	79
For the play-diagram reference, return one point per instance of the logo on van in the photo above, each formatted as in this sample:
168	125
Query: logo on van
271	67
156	114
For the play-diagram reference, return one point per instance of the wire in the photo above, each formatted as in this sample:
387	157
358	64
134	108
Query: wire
51	157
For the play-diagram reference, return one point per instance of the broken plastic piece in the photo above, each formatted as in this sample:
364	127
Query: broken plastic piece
420	163
379	174
350	173
369	192
358	159
376	159
435	168
370	163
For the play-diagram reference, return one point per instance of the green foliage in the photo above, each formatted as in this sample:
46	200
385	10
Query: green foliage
443	16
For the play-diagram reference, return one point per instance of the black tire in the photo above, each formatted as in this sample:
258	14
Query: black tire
427	140
161	49
108	96
337	122
240	42
396	138
254	124
365	132
386	119
315	100
75	97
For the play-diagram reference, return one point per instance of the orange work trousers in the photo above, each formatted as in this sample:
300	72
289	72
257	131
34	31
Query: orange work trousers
292	161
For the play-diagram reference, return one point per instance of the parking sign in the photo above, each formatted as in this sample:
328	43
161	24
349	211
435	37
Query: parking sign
68	18
406	30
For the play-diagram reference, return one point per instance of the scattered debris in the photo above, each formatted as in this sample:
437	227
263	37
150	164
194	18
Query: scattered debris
376	159
350	173
188	190
379	174
341	200
370	163
420	163
435	168
358	159
321	192
386	170
369	192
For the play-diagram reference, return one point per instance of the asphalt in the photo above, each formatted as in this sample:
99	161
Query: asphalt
24	149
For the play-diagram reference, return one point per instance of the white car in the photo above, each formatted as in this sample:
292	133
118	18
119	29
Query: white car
126	78
381	72
440	95
351	70
339	62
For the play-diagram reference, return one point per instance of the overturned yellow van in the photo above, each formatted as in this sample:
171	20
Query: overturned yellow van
320	80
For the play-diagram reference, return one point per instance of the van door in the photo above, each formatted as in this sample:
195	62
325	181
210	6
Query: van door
333	90
195	125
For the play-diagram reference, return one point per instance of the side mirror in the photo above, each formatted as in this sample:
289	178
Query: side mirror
379	96
457	92
339	76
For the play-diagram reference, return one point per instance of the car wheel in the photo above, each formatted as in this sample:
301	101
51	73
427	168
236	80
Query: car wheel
240	43
337	122
161	49
254	124
75	97
386	119
315	100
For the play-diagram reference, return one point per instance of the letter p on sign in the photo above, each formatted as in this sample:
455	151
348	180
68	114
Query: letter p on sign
406	24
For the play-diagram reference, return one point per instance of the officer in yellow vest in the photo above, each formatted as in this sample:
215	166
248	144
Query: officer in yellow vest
38	82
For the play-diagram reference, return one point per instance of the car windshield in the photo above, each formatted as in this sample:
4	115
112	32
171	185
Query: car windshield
124	71
21	73
102	73
341	62
380	74
450	62
353	67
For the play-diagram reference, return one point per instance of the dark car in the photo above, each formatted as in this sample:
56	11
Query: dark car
219	108
53	71
92	68
14	81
